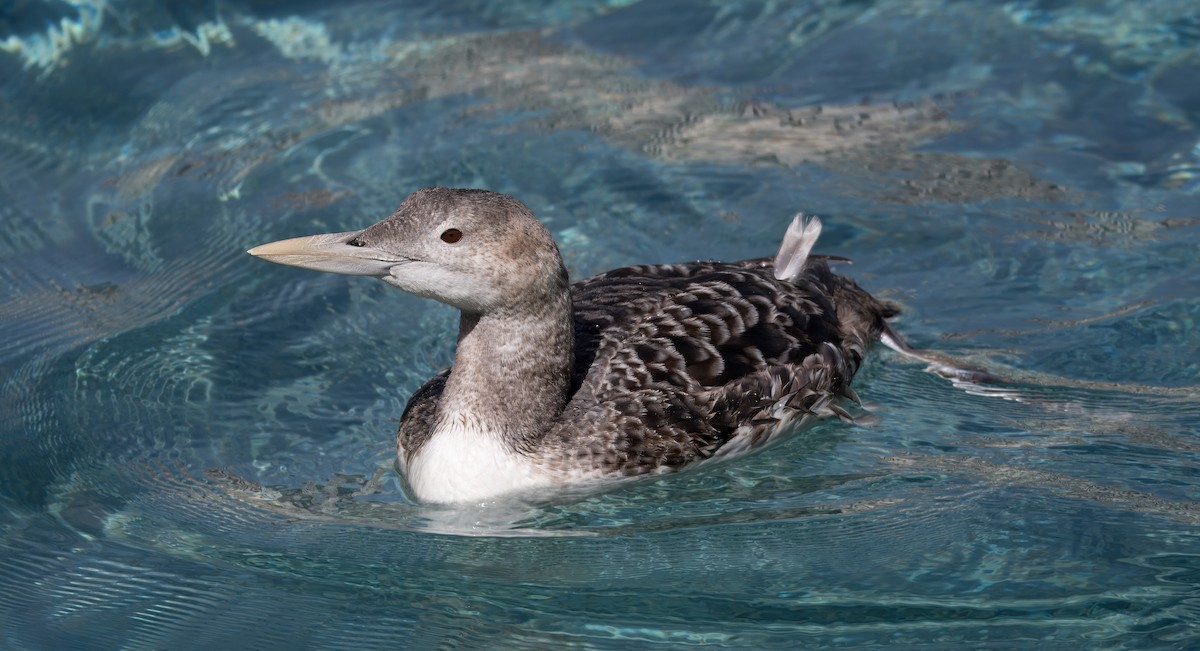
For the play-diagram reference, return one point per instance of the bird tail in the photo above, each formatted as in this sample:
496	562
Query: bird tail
797	242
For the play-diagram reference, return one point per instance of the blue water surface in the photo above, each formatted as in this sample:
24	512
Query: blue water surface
196	447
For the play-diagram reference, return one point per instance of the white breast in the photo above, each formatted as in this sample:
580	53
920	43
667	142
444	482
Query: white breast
463	462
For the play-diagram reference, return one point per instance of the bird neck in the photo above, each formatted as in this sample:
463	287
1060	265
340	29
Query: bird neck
512	370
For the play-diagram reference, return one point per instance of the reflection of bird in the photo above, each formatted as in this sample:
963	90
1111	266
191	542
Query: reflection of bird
639	370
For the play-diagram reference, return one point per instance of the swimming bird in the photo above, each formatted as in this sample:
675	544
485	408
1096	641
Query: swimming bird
642	369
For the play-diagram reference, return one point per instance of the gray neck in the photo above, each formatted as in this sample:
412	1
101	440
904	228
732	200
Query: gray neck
512	370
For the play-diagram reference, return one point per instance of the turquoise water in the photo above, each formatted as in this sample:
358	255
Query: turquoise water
195	446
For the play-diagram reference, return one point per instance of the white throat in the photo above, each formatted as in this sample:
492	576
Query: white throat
465	462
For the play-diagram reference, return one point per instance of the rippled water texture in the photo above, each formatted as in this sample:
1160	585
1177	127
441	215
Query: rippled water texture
196	446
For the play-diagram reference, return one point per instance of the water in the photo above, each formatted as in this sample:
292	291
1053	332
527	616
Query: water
196	446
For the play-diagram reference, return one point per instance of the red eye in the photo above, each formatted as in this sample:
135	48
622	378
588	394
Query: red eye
451	235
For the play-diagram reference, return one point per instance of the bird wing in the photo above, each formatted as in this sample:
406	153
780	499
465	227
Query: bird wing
673	361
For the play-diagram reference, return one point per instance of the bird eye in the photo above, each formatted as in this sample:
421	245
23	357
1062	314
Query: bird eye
451	235
356	242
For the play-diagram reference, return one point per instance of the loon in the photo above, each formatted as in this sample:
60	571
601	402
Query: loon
640	370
